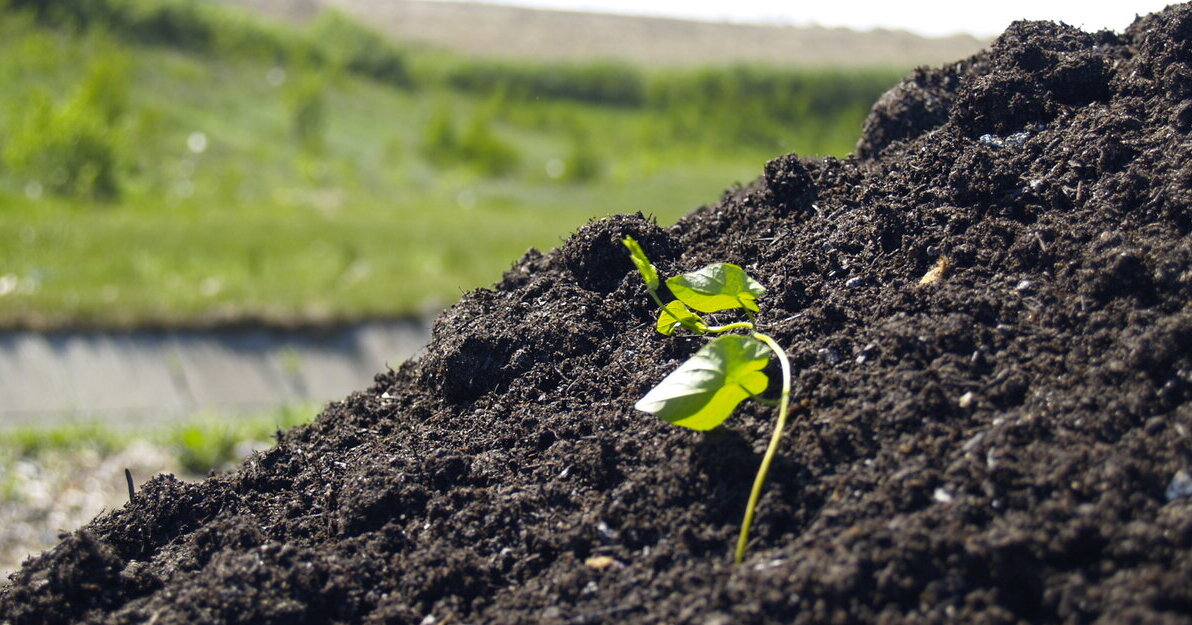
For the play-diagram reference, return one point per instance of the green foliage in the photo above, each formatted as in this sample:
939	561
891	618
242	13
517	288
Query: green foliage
201	443
728	107
74	148
703	391
332	41
30	442
583	163
239	223
707	387
344	43
642	262
308	111
719	286
70	149
477	146
676	314
481	147
211	442
606	83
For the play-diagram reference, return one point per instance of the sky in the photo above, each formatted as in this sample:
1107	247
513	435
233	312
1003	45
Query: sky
926	17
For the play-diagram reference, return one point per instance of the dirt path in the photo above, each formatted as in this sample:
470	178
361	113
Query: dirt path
988	316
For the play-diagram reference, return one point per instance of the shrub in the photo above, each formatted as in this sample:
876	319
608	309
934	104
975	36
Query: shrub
308	112
348	45
477	146
73	149
583	164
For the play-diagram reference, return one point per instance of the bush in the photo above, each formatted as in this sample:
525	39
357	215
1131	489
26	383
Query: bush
484	150
74	149
308	112
583	164
599	83
346	44
477	146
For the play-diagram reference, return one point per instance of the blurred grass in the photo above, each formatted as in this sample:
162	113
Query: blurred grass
202	443
176	162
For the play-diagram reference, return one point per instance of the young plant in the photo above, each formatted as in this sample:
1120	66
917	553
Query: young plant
705	389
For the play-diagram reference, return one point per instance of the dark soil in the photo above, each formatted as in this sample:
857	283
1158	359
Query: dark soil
1008	444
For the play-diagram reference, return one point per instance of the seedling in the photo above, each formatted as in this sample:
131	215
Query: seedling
705	389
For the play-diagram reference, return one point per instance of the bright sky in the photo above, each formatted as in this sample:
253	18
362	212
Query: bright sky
927	17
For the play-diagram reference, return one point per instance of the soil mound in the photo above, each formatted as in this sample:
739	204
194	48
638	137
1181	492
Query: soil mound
1009	443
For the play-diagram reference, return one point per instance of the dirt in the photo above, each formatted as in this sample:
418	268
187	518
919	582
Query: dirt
1009	443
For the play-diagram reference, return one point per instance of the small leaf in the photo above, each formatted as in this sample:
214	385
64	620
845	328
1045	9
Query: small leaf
649	274
676	314
705	389
719	286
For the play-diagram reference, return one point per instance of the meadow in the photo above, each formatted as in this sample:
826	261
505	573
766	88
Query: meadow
177	163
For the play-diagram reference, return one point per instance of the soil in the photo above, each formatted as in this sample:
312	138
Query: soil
1009	443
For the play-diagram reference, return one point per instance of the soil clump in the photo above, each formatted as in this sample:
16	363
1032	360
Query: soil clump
1008	440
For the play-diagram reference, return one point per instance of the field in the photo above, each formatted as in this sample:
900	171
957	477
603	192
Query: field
177	163
492	30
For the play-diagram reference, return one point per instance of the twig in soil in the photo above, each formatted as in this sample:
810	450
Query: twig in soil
128	478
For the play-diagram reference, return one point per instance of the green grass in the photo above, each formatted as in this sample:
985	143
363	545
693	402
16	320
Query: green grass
343	191
201	443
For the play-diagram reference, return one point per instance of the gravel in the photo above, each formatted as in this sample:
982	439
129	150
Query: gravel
58	491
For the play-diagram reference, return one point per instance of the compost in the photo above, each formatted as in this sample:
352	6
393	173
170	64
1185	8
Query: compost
988	311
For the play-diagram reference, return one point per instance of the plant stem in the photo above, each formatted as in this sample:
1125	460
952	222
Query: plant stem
760	480
658	300
740	325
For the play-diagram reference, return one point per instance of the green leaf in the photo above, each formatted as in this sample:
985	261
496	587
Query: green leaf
649	274
719	286
676	314
705	389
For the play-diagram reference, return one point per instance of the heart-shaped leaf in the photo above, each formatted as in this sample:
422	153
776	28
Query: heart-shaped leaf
705	389
644	266
719	286
676	314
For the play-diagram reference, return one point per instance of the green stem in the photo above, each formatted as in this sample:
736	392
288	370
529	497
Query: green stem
740	325
773	403
658	300
760	480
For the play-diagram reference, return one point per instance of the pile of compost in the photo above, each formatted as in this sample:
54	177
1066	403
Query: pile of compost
988	312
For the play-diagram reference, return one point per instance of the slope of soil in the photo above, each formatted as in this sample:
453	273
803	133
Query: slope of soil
1010	443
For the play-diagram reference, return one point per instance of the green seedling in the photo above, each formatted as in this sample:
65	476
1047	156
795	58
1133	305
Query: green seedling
726	371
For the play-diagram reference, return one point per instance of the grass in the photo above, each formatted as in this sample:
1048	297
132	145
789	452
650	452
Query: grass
202	443
222	184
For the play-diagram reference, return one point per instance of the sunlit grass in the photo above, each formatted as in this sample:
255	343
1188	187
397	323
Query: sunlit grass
200	443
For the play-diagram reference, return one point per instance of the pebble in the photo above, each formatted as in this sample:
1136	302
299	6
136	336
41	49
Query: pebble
829	355
1180	486
1015	140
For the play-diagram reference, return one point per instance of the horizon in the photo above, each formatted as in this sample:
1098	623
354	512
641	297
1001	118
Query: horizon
929	18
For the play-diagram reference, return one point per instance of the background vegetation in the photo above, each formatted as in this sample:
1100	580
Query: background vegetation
179	162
